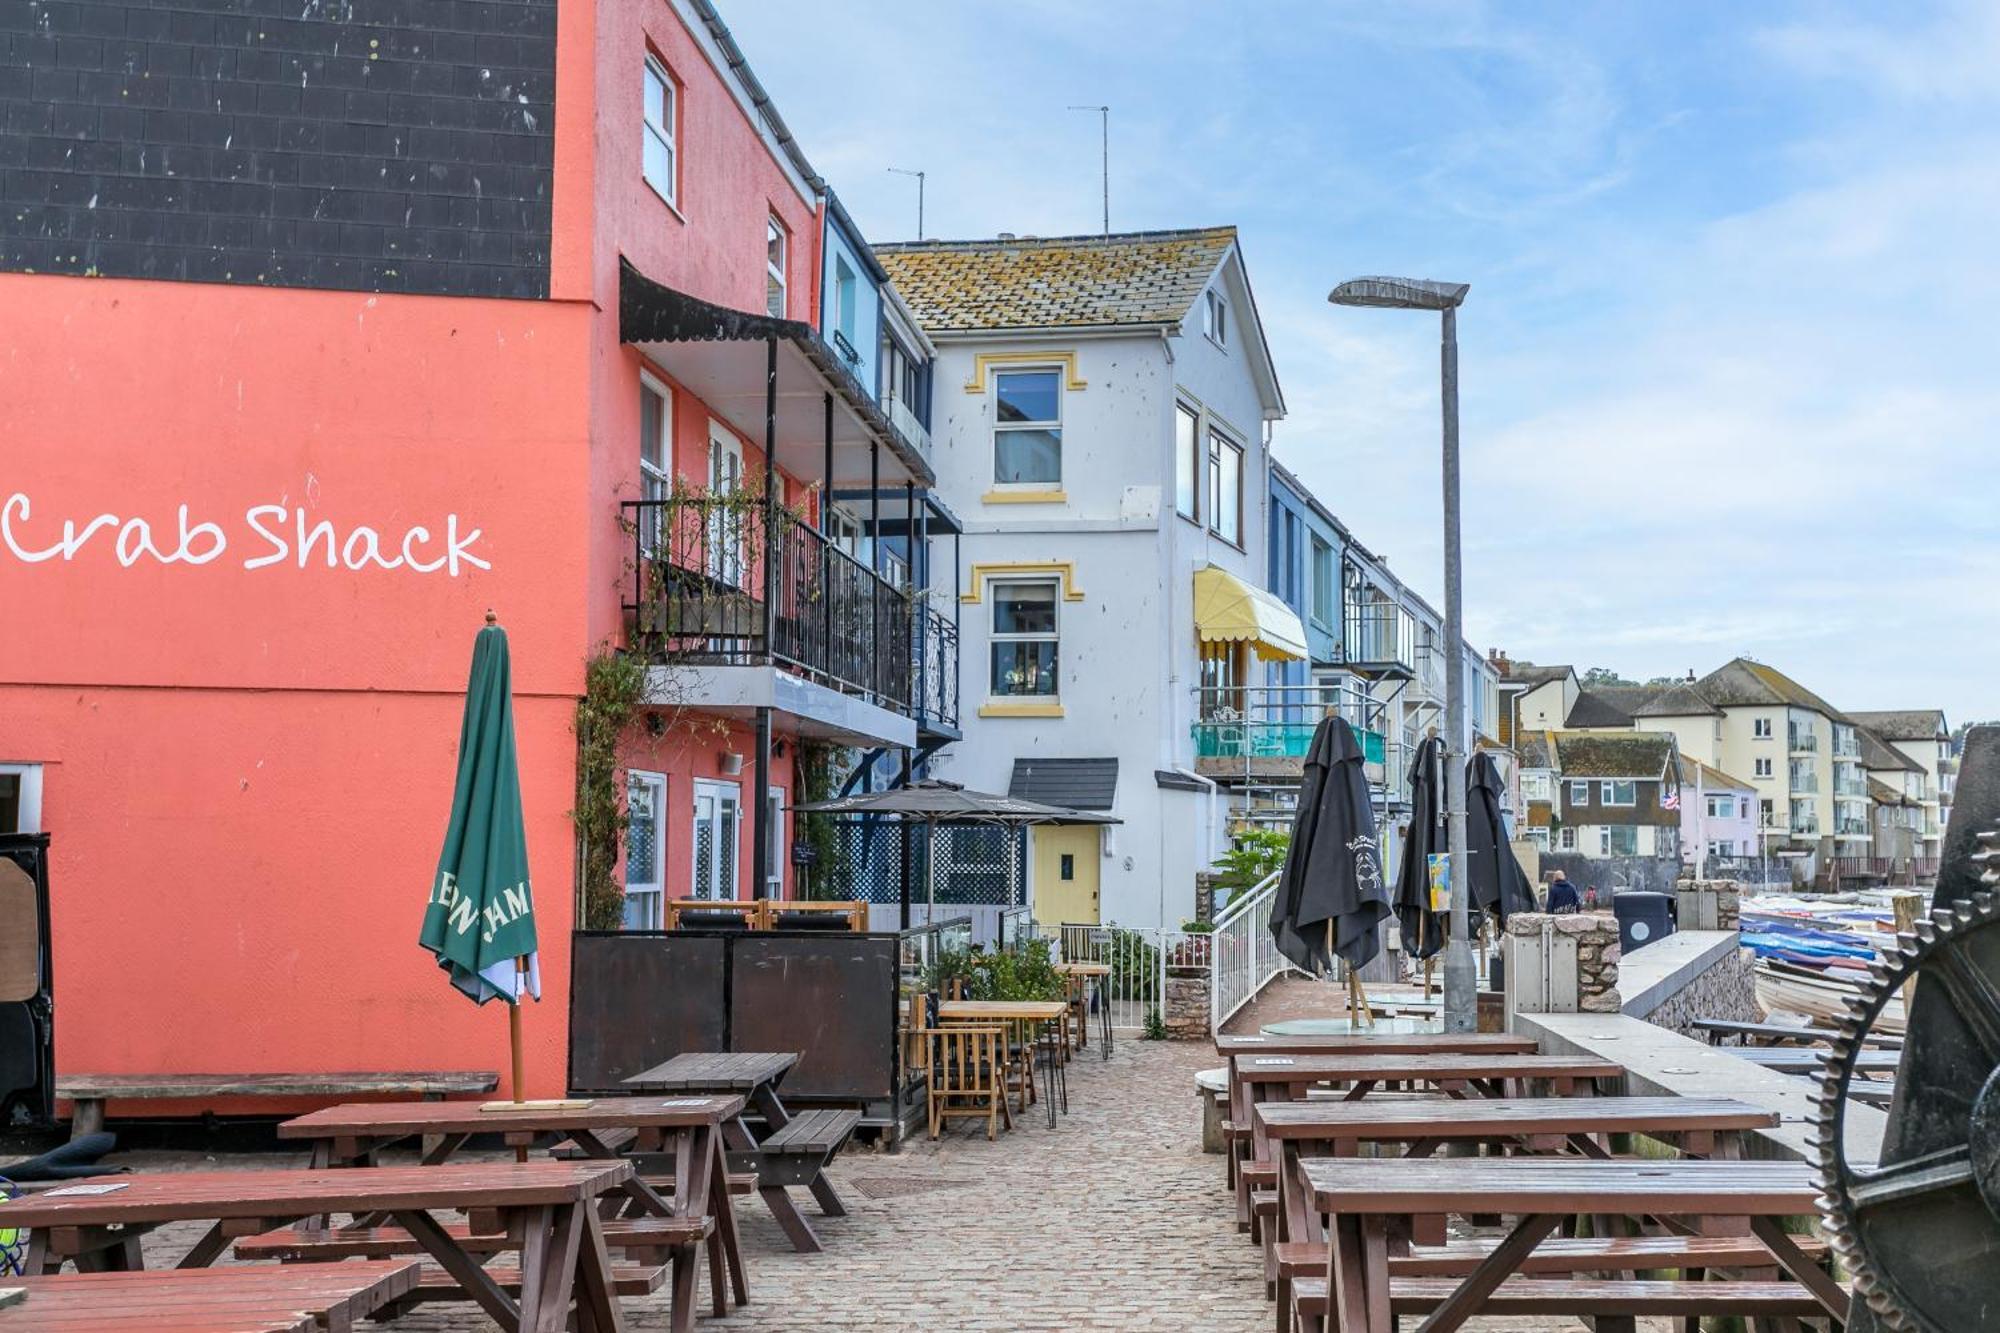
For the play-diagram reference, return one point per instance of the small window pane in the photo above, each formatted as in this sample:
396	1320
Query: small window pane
1187	462
642	864
1029	395
1024	667
656	97
652	429
659	163
1024	608
1027	455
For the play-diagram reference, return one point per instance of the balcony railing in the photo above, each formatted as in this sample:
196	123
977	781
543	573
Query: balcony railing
1378	634
906	423
1805	780
1803	742
1265	731
1852	787
1805	826
1846	746
1850	828
937	667
700	595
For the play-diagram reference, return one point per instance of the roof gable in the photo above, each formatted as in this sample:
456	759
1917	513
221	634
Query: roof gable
1641	755
1905	724
1057	282
1742	683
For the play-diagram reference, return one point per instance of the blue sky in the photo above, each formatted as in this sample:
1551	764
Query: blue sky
1728	359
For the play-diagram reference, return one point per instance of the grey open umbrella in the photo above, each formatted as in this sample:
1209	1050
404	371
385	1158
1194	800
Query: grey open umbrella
933	802
1499	885
1422	930
1330	897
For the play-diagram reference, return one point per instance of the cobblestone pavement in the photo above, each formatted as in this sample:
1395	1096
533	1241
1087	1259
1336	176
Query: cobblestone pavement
1113	1220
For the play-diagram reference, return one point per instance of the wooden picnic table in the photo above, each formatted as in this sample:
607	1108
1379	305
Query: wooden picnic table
99	1224
242	1299
1371	1200
1699	1127
793	1150
1261	1077
1768	1034
681	1135
1026	1013
1806	1060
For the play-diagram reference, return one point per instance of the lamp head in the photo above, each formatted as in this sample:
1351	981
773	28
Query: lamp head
1400	293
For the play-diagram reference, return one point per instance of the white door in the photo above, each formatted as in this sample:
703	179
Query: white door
717	817
725	528
645	849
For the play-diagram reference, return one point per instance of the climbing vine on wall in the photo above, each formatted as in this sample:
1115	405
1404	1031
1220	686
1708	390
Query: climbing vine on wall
613	691
822	765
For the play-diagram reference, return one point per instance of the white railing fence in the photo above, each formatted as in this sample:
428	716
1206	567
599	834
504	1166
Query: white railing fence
1243	957
1140	962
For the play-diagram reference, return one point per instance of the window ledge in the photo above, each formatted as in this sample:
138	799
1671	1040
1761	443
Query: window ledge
1000	496
661	195
1015	708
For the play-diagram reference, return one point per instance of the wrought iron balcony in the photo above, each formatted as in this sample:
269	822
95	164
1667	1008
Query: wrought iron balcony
936	656
731	580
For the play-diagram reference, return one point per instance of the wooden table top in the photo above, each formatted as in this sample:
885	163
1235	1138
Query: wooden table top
165	1196
467	1117
1729	1027
1349	1068
1808	1060
1560	1185
237	1298
1405	1043
1004	1010
1084	969
716	1071
1380	1118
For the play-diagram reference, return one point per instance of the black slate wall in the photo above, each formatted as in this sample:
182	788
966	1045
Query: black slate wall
366	145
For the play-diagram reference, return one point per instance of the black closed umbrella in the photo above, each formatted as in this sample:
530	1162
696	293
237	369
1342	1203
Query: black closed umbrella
1422	930
1499	885
1331	897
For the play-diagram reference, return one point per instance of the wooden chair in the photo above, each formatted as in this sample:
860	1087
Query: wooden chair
965	1075
791	915
714	914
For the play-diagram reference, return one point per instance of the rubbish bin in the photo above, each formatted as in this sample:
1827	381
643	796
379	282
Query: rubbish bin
1642	918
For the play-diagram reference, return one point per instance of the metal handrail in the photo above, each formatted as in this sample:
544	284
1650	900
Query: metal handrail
1242	955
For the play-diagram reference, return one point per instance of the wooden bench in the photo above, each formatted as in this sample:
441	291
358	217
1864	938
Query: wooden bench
89	1092
1613	1305
207	1299
646	1237
438	1285
1768	1034
1562	1255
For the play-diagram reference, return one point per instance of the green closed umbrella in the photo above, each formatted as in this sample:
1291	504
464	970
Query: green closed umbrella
480	920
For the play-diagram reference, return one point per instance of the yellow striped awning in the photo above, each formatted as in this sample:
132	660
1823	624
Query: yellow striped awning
1228	610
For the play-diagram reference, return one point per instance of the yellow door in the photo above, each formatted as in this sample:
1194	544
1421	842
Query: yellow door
1065	886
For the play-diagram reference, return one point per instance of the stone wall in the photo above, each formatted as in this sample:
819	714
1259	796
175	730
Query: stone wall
1187	1005
1612	875
1708	904
1728	990
1589	986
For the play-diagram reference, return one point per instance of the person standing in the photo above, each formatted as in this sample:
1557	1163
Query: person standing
1562	894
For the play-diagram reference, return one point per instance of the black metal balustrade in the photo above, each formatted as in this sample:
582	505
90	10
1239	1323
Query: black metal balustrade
936	656
699	597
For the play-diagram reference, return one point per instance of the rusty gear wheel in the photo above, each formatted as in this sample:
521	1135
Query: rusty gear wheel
1921	1235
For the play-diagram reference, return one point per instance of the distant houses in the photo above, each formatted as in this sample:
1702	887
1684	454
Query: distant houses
1788	786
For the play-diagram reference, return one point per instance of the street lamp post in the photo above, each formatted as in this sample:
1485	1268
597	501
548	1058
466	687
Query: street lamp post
1461	1001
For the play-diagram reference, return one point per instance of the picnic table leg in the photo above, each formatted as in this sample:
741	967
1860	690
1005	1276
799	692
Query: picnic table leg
596	1303
557	1274
86	1116
1346	1288
708	1143
1494	1269
451	1256
1803	1270
786	1213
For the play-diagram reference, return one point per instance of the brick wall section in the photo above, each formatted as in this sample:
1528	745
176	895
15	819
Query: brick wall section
366	145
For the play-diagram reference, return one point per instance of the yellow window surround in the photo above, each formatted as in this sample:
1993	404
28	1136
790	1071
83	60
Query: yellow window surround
985	361
1064	570
1023	708
996	496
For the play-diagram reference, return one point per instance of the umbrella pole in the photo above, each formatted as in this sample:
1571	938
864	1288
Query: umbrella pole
514	1038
